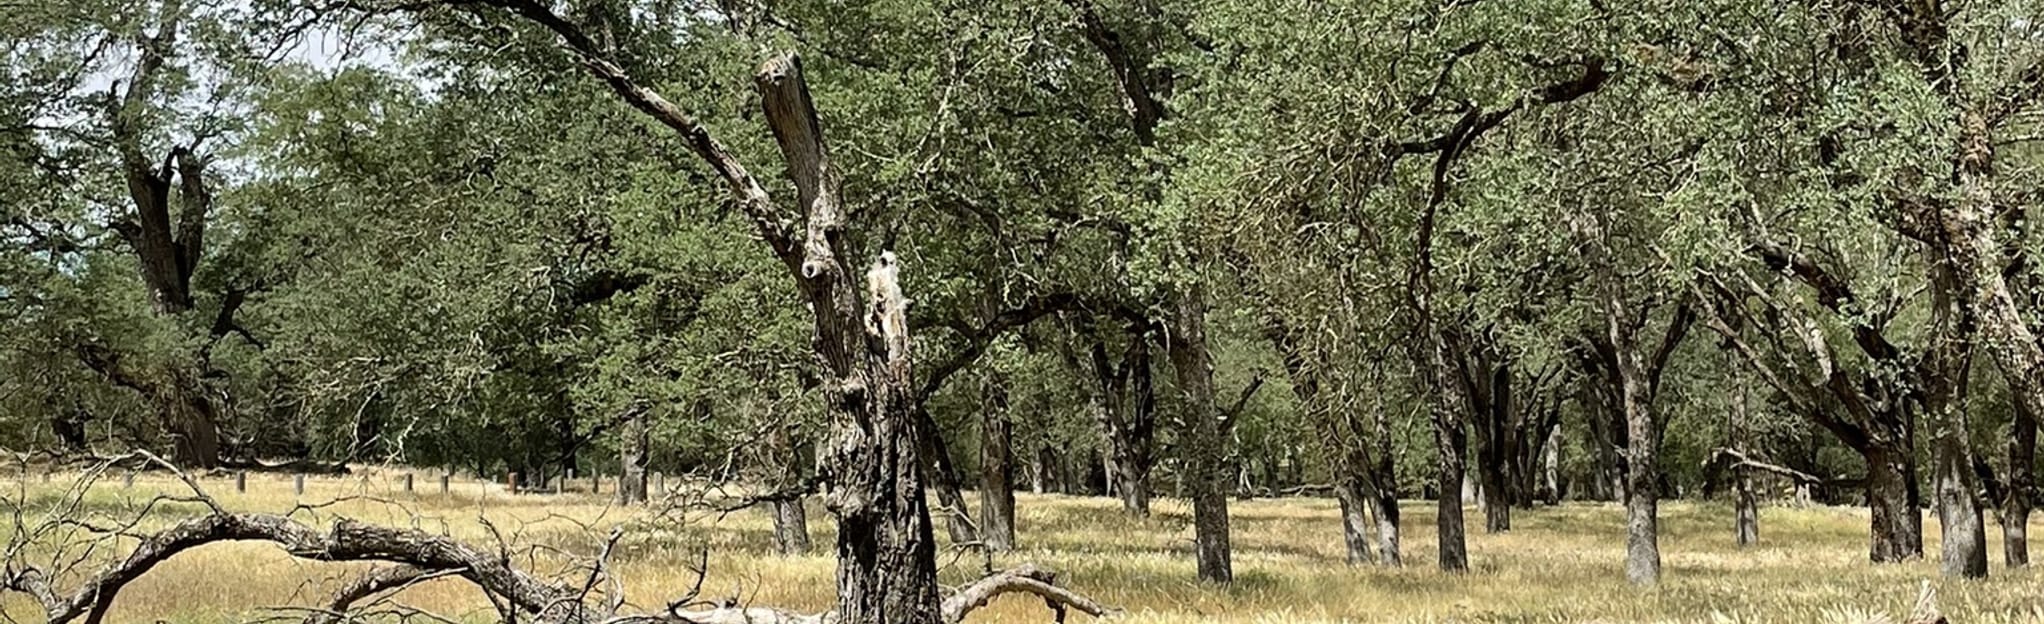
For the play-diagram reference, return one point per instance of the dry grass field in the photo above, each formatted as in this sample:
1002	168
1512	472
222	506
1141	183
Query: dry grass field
1558	564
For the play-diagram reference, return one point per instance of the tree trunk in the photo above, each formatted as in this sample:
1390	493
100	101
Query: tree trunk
1896	529
886	555
997	467
944	478
631	451
1355	521
2022	476
1550	465
1204	444
1496	452
1963	546
1642	481
194	428
1745	502
1383	495
791	526
1125	405
1450	438
1746	509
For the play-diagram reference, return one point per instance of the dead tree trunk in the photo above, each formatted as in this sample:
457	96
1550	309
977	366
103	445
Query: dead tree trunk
886	555
1204	448
997	469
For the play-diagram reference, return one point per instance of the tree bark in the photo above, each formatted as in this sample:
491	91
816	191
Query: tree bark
1355	522
1746	509
1896	525
791	526
2022	477
997	468
1642	484
1450	438
1204	445
1495	442
1126	407
1963	546
945	480
1383	498
631	480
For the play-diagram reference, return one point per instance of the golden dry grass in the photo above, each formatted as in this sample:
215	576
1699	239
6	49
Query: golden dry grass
1558	564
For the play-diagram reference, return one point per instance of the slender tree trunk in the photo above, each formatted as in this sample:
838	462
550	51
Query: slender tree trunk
1450	438
1550	464
1204	444
631	451
1746	509
1383	489
997	481
1642	513
2022	476
1745	502
945	480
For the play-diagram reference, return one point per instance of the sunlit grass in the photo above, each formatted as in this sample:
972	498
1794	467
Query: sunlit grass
1559	564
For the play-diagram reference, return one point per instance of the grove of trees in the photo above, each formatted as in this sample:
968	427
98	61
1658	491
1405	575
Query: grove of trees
1517	252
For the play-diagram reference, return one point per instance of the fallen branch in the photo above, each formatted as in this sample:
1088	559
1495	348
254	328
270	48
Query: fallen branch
421	556
389	578
1732	458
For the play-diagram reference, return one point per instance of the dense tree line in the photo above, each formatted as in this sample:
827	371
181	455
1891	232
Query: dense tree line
1519	252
